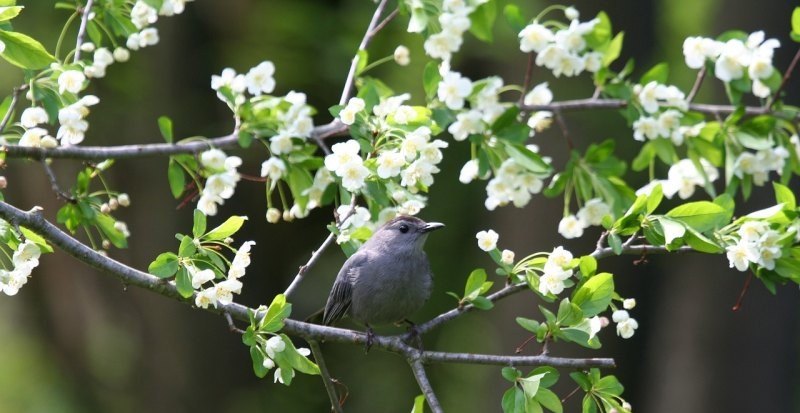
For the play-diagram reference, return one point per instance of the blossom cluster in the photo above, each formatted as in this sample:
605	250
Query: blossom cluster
683	178
734	58
143	15
663	105
102	58
273	346
556	271
71	118
257	81
24	260
565	51
591	214
761	163
512	184
757	244
626	325
454	21
221	181
221	293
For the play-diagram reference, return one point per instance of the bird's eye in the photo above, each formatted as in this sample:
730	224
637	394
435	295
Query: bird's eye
404	228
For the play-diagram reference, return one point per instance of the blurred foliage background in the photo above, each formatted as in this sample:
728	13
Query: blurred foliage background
74	340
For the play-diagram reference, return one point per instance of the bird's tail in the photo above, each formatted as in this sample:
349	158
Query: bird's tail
316	317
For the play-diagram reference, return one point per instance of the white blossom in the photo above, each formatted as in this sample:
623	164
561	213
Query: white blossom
402	56
629	303
259	79
142	14
274	168
552	281
206	297
33	116
466	123
469	171
570	227
390	163
71	81
593	212
534	38
487	240
348	113
453	89
539	95
507	257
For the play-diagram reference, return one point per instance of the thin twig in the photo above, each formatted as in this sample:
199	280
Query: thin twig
524	343
384	22
745	287
698	81
564	130
231	325
54	183
318	252
326	376
501	360
14	97
572	393
425	384
601	241
351	74
785	79
82	29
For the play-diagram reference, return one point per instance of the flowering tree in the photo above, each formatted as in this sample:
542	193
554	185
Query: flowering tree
384	162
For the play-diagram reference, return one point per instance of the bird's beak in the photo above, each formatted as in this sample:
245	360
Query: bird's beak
430	226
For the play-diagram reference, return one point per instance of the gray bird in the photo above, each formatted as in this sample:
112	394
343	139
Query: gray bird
387	279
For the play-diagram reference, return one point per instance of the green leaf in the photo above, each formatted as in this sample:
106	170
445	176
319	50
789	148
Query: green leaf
419	404
511	374
199	226
614	48
475	280
276	313
514	17
654	199
701	216
528	324
796	21
514	401
187	247
784	195
164	266
700	242
106	225
615	243
672	229
588	265
482	303
165	126
298	361
431	79
183	282
527	159
176	178
363	59
658	73
258	362
228	228
549	400
24	51
530	385
595	294
9	12
482	21
582	379
601	33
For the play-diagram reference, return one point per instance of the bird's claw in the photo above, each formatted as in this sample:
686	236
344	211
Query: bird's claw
370	339
413	334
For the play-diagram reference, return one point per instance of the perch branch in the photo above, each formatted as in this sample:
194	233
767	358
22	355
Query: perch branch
425	384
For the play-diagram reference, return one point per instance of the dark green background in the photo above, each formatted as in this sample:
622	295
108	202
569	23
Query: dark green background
74	340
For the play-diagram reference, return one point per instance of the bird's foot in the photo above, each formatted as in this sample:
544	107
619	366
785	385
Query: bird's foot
370	339
413	334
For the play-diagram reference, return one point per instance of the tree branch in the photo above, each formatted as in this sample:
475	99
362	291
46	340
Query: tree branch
698	81
54	183
368	35
82	29
98	153
336	407
424	384
498	360
592	104
134	277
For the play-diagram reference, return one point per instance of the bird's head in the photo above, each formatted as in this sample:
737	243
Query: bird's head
404	232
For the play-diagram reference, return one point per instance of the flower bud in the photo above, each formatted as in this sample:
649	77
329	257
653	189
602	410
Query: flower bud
87	47
124	200
113	204
287	216
402	55
508	257
105	208
3	182
106	244
273	215
121	54
629	303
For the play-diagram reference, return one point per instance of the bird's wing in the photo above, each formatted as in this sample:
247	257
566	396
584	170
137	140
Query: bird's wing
341	294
